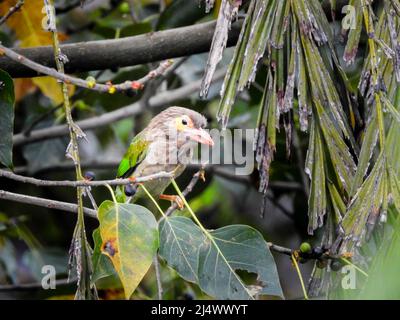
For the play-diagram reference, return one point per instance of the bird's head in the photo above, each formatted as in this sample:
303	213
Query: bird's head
185	123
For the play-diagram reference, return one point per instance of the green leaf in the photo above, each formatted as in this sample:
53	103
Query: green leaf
383	281
364	208
354	34
237	247
6	118
212	264
180	241
315	168
130	239
102	265
230	86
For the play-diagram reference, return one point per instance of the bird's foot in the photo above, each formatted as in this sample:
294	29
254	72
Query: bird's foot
202	175
176	199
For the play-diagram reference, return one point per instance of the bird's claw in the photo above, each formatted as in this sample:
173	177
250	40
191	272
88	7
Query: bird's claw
202	175
176	199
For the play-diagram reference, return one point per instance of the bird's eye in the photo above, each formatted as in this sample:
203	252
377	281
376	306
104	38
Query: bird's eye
184	122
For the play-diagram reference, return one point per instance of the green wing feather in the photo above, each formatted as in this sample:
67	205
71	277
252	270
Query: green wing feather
133	156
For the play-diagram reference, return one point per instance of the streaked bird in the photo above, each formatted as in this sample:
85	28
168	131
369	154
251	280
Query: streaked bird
166	144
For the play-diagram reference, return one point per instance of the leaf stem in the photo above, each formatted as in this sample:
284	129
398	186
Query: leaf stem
191	211
112	193
303	287
153	200
355	267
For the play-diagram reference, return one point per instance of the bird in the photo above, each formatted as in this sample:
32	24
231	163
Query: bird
166	144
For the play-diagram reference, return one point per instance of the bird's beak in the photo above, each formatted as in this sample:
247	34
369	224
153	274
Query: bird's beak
201	136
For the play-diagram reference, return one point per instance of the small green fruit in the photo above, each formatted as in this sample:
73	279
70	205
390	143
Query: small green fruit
305	247
124	7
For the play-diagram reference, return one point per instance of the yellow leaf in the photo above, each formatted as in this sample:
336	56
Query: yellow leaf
27	24
129	237
52	89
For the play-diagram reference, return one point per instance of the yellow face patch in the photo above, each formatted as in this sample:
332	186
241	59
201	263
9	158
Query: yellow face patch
183	122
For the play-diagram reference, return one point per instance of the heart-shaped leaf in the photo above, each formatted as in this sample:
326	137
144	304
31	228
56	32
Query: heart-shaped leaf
6	118
130	239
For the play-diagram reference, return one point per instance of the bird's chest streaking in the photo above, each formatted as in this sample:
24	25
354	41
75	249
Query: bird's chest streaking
164	155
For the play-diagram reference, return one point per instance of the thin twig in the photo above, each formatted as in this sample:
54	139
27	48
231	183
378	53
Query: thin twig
162	99
198	175
11	11
82	183
279	249
88	84
158	277
355	267
50	204
210	170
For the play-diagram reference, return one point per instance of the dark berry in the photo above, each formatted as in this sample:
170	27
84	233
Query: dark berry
188	296
318	251
336	265
89	175
130	190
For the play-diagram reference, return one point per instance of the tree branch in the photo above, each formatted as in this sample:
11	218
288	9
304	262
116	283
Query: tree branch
82	183
46	203
11	11
128	51
92	85
164	98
